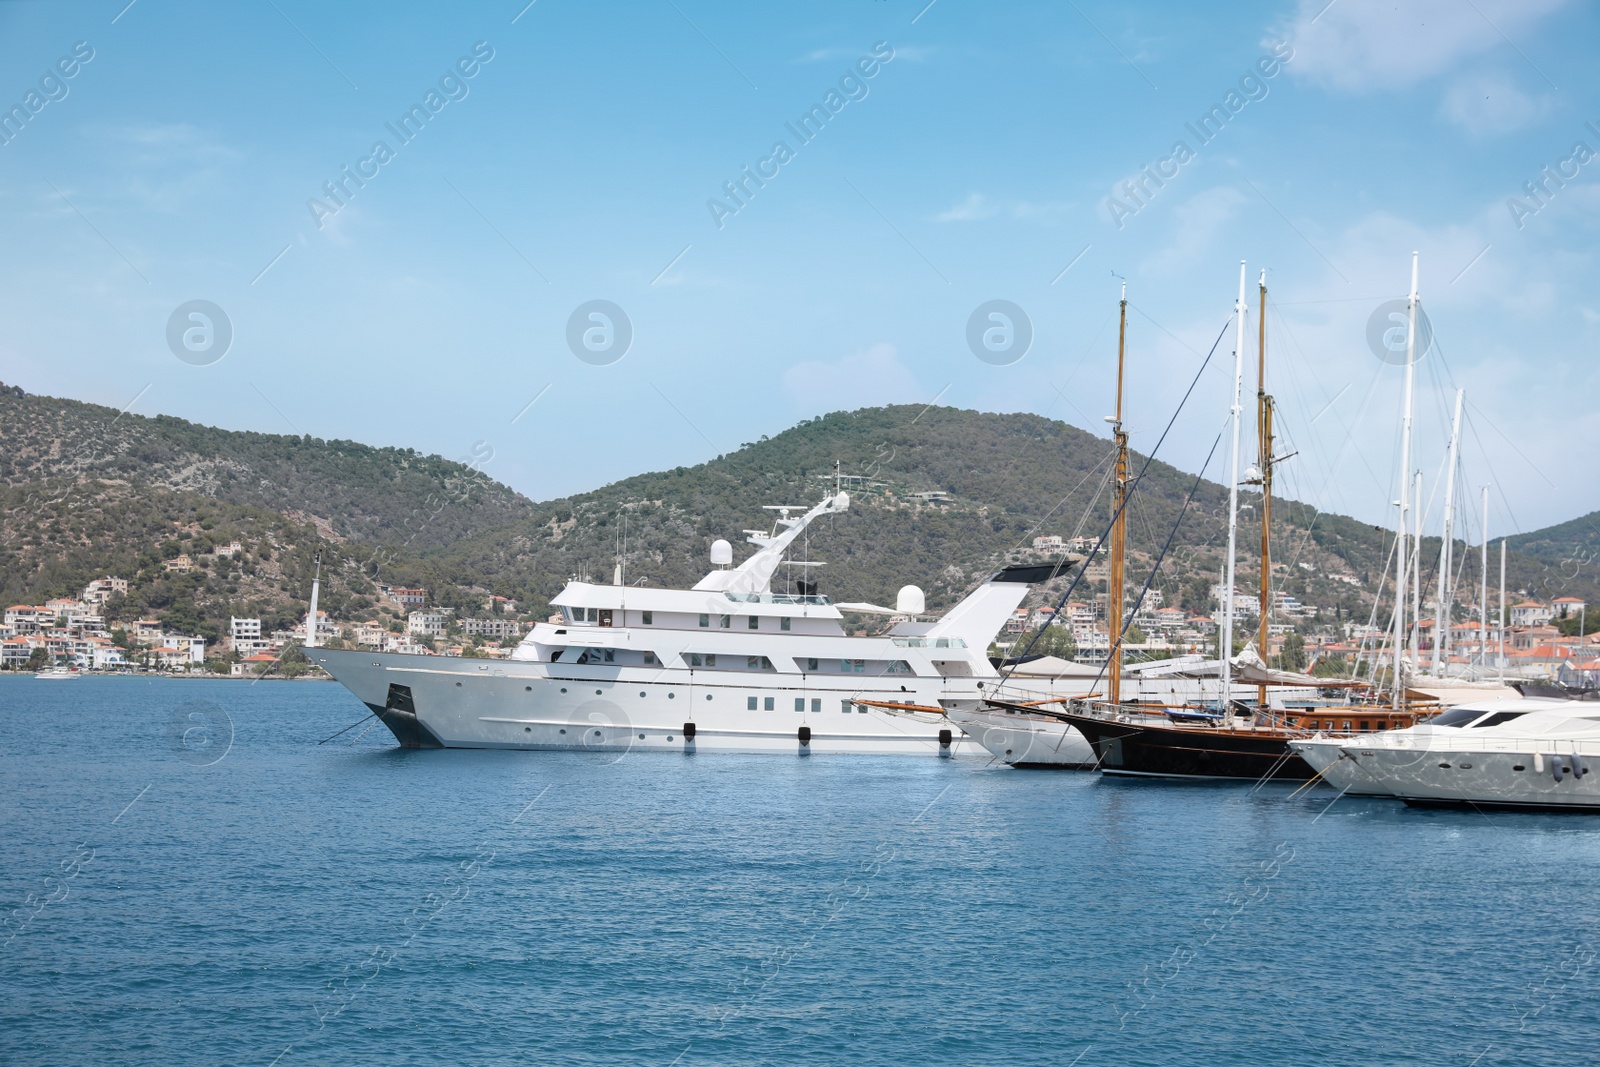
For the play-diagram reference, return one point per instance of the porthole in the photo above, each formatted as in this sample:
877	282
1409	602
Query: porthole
1518	767
563	729
1008	752
708	696
597	692
641	692
641	737
669	737
527	729
563	689
458	685
1466	766
672	696
527	689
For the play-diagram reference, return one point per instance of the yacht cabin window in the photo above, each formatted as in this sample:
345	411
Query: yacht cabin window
766	703
783	623
727	622
755	622
705	620
647	618
811	663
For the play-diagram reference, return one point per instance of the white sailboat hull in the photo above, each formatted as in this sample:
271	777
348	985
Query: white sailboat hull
1022	740
440	702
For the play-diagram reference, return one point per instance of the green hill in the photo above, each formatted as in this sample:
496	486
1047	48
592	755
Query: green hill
940	498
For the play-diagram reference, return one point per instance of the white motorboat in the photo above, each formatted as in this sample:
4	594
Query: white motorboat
1530	753
726	666
56	674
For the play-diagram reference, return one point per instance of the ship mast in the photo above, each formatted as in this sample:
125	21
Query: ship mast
1441	620
1401	573
1264	445
1226	696
1483	594
1119	497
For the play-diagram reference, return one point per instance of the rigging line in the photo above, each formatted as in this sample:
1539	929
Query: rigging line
1155	567
347	729
1162	328
1349	439
1513	444
1088	510
1062	502
1372	616
1149	458
1494	475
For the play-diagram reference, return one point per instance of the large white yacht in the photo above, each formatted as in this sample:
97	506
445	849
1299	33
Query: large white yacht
1531	752
726	666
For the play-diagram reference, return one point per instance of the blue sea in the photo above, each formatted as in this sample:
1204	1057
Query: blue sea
189	877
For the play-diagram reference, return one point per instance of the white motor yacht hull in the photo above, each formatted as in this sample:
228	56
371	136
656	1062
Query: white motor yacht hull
1501	778
441	702
1327	757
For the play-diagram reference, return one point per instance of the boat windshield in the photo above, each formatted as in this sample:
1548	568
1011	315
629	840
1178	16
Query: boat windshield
1457	717
930	642
1497	718
775	598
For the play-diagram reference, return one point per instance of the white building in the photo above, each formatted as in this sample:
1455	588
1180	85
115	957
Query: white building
499	629
426	623
101	590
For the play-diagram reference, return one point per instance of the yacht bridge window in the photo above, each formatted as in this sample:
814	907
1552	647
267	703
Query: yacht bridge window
1497	718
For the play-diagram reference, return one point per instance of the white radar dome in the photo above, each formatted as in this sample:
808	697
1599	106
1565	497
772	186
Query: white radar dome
721	553
842	501
910	601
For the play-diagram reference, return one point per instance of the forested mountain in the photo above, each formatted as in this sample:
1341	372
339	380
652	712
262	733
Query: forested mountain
940	498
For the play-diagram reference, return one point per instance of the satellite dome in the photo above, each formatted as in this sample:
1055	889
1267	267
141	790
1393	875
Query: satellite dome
910	601
721	553
842	501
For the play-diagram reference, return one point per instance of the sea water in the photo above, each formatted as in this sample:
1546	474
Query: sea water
190	877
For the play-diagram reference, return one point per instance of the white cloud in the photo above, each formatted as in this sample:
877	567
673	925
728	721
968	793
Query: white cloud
907	53
977	207
1198	220
1369	45
1491	103
863	379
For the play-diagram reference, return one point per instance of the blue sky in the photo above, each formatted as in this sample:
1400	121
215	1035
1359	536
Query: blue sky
579	159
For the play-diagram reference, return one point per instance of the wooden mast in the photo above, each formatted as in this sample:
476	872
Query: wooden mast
1119	497
1264	443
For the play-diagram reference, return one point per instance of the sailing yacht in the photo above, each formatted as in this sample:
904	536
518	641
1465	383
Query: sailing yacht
1188	737
1534	753
728	665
